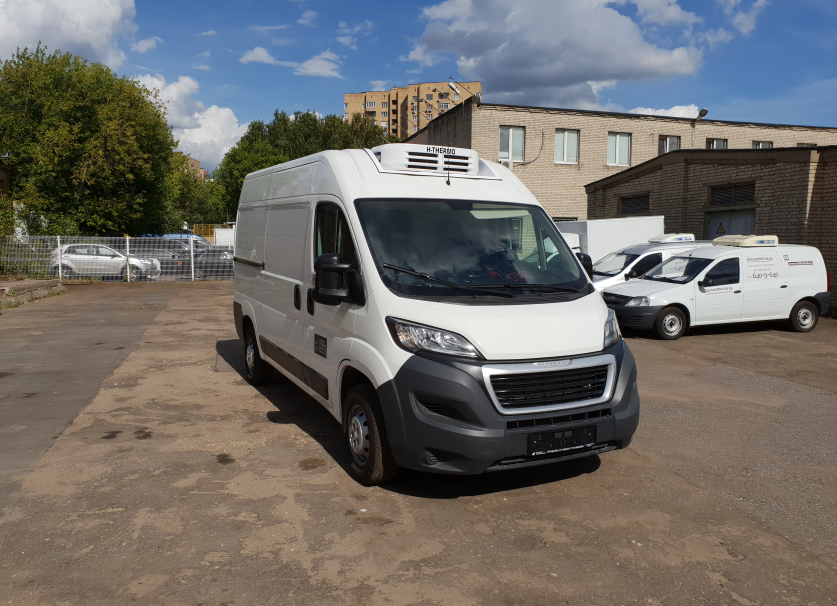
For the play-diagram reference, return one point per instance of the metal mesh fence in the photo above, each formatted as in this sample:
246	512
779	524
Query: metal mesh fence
114	259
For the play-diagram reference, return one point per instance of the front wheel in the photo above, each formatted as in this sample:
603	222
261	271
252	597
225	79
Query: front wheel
256	370
804	317
372	462
136	274
670	324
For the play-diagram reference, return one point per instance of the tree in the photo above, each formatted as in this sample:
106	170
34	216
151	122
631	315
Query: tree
289	138
90	150
189	198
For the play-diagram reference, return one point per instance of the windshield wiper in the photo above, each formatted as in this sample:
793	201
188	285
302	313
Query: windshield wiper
429	278
525	285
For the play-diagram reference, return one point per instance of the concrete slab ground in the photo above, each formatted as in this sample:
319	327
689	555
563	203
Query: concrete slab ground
181	484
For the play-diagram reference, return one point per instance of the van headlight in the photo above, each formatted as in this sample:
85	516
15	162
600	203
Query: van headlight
638	302
611	329
415	337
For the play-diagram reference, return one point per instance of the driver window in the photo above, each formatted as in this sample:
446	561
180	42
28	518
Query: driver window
646	264
331	233
725	272
105	252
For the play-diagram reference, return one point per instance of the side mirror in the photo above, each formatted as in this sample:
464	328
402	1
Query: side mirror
632	275
586	263
328	286
706	282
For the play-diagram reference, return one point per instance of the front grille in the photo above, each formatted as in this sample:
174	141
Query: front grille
614	300
559	420
530	390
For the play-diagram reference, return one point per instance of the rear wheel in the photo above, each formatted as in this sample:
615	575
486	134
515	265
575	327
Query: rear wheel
804	317
670	324
256	370
372	462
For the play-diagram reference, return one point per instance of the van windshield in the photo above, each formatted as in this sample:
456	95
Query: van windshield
456	247
613	264
679	270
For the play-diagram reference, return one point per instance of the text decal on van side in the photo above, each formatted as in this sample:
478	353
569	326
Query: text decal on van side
441	150
320	346
800	262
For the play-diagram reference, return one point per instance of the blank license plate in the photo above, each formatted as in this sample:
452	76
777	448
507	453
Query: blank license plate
558	441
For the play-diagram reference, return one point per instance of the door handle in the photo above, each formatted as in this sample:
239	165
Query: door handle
783	286
736	292
310	301
297	297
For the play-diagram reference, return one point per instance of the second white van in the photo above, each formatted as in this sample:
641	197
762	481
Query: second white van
427	301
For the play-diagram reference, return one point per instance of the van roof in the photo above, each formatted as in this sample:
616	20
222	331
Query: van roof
641	249
714	252
358	173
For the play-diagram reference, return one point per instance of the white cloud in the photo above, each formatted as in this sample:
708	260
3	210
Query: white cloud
282	41
307	18
348	35
745	22
520	55
210	32
205	68
326	64
89	28
678	111
316	113
203	54
268	28
260	55
714	37
204	133
146	45
379	85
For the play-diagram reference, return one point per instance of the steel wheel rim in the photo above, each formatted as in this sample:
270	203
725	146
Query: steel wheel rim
359	436
672	324
805	317
250	356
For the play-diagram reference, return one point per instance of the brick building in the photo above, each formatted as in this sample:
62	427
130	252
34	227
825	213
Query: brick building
195	166
404	110
789	192
556	152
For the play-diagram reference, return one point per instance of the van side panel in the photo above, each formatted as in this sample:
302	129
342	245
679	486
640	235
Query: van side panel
249	245
285	245
324	181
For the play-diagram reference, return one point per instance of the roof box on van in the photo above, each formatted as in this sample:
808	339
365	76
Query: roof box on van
669	238
431	159
747	241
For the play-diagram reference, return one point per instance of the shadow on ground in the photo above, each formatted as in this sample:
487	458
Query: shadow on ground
294	406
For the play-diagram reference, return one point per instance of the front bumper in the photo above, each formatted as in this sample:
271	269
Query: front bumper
440	418
637	317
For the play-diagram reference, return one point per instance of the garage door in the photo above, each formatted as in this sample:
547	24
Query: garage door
726	222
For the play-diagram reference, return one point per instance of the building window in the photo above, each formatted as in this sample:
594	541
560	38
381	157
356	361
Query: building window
383	104
415	99
733	195
511	143
395	120
636	205
415	128
716	144
346	117
384	114
806	144
428	116
444	96
618	149
415	118
566	146
456	96
370	104
384	124
667	144
345	106
762	144
429	96
371	114
443	106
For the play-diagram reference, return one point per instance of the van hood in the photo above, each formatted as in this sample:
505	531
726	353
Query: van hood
516	332
640	288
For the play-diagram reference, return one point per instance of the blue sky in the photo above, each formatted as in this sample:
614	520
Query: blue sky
223	64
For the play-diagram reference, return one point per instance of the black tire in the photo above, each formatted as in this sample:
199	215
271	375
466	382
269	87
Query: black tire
136	275
66	272
371	461
256	370
670	324
804	317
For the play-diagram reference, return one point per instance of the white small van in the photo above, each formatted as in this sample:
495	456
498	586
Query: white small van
633	261
426	300
738	279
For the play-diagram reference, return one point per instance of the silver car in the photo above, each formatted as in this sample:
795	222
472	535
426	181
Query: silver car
87	260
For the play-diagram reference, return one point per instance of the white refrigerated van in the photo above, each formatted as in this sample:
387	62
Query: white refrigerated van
633	261
426	300
737	279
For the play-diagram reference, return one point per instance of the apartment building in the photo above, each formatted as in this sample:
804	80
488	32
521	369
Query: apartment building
405	110
556	152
